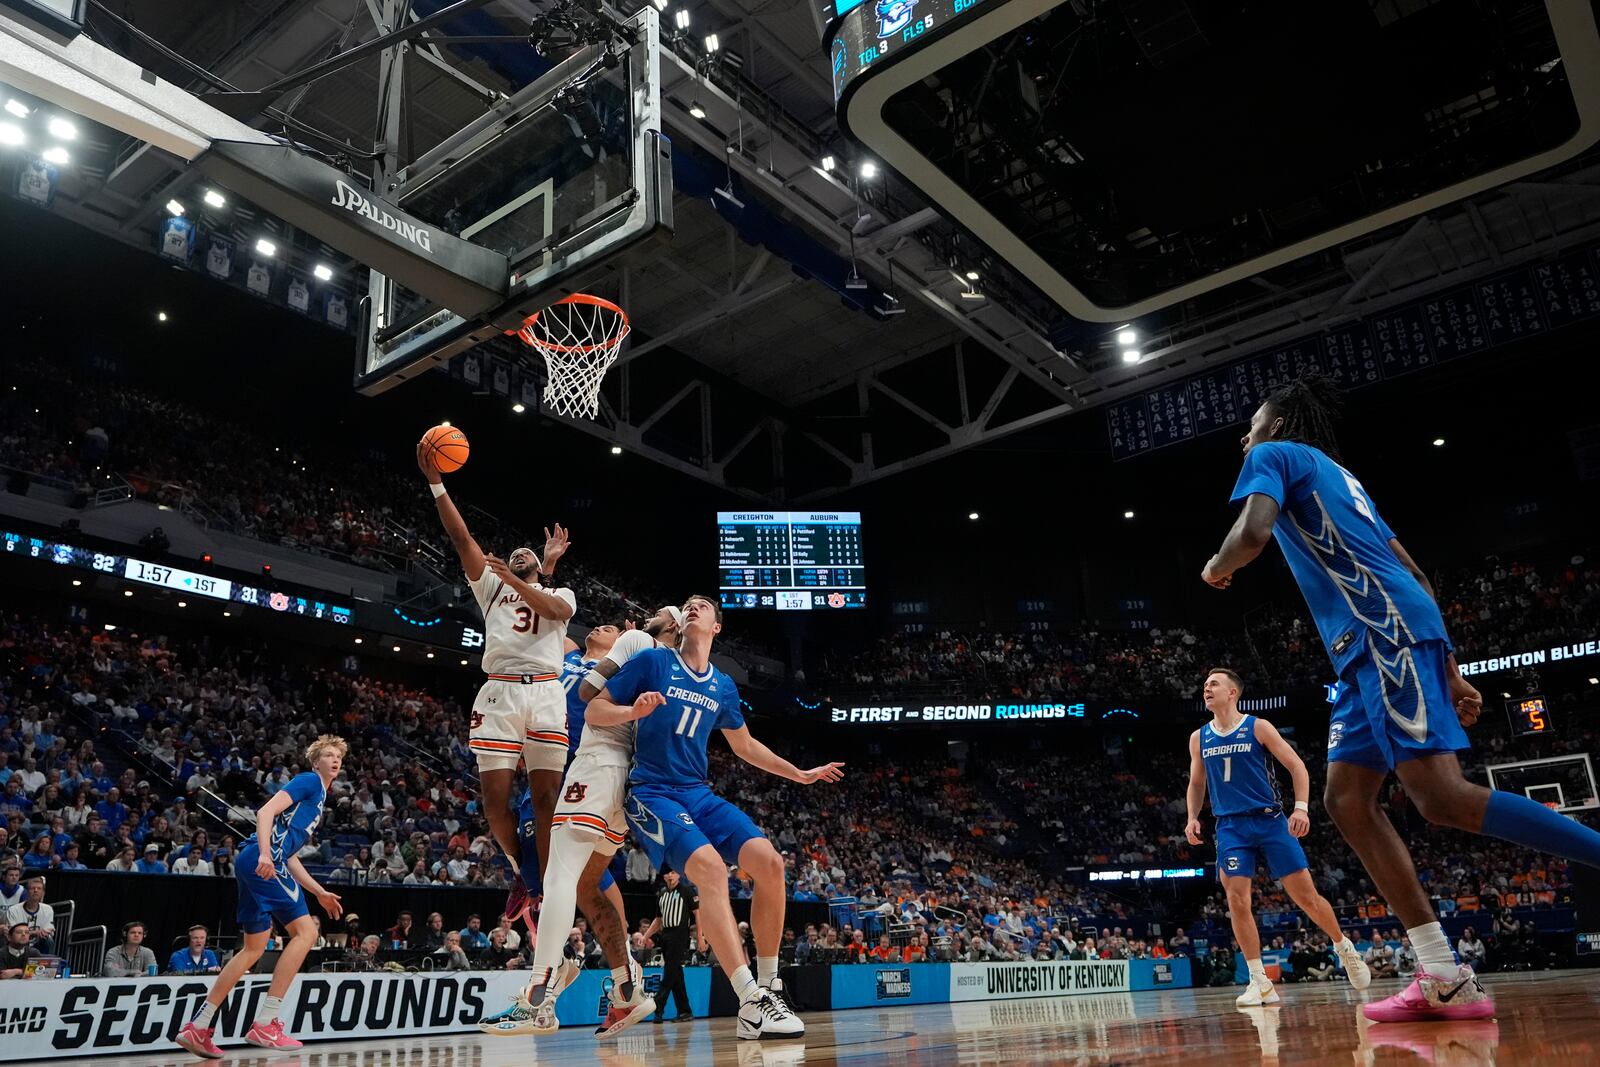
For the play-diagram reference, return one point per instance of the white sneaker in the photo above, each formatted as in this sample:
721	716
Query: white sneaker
624	1012
1260	991
1355	968
764	1015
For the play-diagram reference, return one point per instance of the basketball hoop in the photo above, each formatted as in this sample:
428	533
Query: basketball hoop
579	337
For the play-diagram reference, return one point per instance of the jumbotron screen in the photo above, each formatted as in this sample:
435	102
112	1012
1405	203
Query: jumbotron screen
790	560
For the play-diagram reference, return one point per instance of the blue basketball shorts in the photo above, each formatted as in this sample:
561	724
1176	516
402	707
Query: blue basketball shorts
1241	838
279	897
1393	704
671	823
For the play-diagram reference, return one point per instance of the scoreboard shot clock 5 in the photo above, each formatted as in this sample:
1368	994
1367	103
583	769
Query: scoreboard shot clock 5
1530	716
790	560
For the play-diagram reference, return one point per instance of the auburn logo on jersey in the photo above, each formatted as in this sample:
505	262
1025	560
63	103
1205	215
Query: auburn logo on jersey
575	793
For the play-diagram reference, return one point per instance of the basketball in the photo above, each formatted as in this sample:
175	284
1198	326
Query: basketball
447	447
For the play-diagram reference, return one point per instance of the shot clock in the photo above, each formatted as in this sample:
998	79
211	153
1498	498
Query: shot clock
1530	716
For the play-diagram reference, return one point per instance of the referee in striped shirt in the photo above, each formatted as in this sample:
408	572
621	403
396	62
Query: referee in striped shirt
675	909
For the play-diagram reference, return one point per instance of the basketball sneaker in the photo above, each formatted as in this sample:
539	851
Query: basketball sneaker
1260	991
198	1041
1355	968
764	1015
776	989
629	1004
517	901
271	1035
1430	999
515	1020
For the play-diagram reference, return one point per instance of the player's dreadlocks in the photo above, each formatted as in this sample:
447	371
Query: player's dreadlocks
1308	405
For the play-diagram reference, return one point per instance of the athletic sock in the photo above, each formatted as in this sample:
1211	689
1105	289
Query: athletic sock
621	978
744	984
1433	951
1343	945
1527	822
268	1010
766	970
1256	970
203	1017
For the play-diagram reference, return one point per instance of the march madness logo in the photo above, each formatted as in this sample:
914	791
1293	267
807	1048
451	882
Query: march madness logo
575	793
894	984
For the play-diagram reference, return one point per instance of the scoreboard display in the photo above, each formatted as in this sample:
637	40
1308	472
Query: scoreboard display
790	560
1530	716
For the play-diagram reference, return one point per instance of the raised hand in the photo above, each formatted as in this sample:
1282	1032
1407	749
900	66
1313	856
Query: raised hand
425	464
500	567
555	546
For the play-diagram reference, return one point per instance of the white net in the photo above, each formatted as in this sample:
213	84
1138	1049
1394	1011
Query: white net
579	338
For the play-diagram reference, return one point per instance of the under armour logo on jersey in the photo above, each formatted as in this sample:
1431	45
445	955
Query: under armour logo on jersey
494	700
575	793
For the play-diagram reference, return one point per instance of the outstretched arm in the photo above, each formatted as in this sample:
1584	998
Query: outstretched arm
1273	742
1250	534
1196	796
756	754
455	527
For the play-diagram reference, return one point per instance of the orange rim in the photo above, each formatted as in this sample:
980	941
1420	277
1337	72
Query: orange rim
527	335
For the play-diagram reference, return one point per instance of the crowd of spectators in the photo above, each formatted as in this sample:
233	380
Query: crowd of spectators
1495	607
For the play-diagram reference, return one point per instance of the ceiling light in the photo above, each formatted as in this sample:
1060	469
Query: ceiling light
971	294
76	582
868	168
17	108
61	129
444	422
973	515
662	5
57	155
161	316
1127	337
174	208
227	614
1130	355
183	603
828	163
616	450
266	248
358	640
110	626
681	19
972	275
1594	681
518	408
465	662
397	648
712	44
1127	514
430	655
127	592
11	134
1438	442
215	199
323	272
696	110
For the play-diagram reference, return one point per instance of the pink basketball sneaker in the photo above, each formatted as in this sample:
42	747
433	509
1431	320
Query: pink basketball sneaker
198	1041
271	1036
1430	999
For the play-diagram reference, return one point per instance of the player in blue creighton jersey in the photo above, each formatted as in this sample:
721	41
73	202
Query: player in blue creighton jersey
1401	703
677	698
1228	757
273	885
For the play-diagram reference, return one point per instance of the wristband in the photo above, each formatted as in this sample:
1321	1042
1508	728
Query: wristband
1301	805
436	488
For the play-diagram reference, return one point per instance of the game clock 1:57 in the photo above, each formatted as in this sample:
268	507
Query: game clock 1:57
1530	716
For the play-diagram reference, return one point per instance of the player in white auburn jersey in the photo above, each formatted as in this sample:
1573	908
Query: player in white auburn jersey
520	714
587	829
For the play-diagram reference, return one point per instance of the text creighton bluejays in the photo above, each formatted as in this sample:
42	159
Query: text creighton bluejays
352	200
958	713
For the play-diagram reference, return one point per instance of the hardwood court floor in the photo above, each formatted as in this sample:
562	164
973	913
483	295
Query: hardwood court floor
1551	1019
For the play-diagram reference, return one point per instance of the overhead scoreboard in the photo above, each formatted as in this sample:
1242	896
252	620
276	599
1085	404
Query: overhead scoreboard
790	560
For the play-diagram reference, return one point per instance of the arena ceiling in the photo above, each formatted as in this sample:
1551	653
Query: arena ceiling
746	366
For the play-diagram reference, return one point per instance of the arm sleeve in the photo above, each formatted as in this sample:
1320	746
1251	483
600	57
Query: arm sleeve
1268	469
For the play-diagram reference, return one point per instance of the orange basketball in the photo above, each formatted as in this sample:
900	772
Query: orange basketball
447	447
